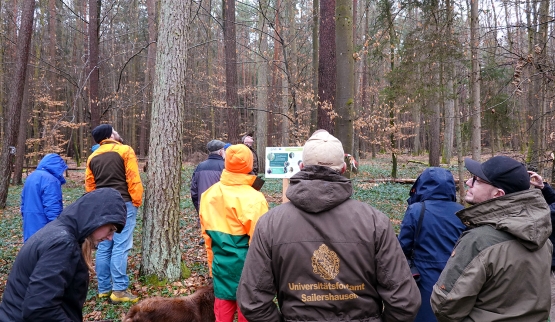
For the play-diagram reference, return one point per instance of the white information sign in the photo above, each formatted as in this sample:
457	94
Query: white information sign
283	162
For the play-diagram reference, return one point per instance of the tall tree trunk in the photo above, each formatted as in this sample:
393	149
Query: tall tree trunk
449	121
160	243
52	32
22	137
326	66
436	82
539	83
23	45
94	52
345	75
390	100
449	68
209	72
149	75
315	43
435	126
231	71
476	133
262	92
458	142
276	80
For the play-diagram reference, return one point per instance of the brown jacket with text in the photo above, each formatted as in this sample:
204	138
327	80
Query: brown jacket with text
327	258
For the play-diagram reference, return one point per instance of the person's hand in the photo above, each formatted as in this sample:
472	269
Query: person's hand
536	180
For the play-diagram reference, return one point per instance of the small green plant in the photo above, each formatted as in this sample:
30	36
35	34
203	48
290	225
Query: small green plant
185	271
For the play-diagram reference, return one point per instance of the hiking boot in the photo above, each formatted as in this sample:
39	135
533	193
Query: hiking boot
123	296
104	296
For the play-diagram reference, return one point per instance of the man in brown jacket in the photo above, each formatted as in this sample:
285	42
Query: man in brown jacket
326	256
501	265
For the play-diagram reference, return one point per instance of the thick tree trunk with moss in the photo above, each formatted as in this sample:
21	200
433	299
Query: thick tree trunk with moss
160	243
345	74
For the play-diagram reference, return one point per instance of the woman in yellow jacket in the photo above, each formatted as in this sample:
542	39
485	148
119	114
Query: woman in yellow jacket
229	211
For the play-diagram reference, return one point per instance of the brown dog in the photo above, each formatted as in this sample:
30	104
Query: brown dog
197	307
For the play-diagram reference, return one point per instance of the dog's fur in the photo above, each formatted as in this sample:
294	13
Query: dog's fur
197	307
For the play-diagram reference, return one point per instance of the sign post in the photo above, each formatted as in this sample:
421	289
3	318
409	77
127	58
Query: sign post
283	162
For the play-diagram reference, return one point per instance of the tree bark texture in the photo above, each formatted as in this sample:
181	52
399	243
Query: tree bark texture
94	52
326	66
262	94
230	49
21	138
23	47
160	241
149	76
315	58
476	136
345	74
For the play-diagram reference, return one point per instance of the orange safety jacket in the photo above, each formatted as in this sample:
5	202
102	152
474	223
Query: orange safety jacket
229	211
114	165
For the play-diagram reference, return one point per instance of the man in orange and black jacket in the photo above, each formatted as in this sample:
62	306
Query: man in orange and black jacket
114	165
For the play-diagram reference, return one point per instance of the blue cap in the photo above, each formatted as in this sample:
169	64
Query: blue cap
227	145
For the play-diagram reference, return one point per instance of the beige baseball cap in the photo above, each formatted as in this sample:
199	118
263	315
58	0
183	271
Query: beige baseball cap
324	149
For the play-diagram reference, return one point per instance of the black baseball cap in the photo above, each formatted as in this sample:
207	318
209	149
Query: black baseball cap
501	172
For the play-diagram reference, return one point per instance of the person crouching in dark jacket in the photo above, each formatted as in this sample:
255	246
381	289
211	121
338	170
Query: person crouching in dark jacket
50	276
326	256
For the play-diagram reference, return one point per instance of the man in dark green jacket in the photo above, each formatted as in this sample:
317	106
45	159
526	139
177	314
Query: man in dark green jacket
500	267
326	256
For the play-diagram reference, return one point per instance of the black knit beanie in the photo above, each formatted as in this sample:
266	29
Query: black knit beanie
102	132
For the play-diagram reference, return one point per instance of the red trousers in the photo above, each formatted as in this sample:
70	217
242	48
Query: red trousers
225	311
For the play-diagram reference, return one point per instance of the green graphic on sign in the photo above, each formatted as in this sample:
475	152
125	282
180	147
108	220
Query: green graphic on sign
279	160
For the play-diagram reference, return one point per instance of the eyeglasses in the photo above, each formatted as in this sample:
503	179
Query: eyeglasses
475	178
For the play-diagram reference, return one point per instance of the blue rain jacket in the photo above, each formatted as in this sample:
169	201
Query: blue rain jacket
41	198
440	230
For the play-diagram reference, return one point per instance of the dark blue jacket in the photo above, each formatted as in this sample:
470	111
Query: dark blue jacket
206	174
41	198
49	278
549	195
439	232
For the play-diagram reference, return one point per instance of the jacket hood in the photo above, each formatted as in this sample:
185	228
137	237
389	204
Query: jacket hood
93	210
316	188
523	214
229	178
433	184
55	165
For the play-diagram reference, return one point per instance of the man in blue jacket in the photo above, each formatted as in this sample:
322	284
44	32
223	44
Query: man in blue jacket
41	198
208	172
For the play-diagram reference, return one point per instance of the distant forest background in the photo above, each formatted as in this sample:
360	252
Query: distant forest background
421	76
442	79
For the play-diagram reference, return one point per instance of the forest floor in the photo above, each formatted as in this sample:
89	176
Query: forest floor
388	197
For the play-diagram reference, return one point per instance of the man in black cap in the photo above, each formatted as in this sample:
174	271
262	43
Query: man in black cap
114	165
208	172
501	265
